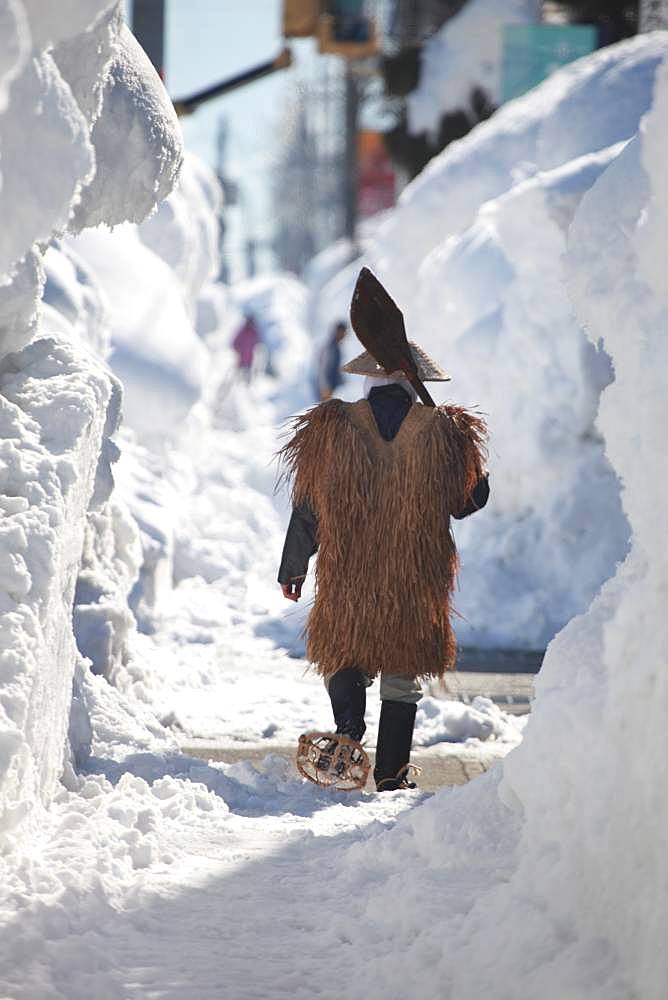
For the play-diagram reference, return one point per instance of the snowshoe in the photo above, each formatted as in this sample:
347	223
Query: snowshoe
333	760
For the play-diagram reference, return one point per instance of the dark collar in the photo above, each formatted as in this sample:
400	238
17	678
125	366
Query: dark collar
392	391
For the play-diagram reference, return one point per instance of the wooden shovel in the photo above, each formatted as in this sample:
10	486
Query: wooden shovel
379	324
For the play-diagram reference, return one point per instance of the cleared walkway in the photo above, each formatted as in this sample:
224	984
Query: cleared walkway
450	765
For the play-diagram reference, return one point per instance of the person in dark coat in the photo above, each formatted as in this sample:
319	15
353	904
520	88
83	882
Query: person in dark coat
329	365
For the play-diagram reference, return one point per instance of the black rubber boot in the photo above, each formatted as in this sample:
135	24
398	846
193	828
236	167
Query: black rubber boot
347	692
393	750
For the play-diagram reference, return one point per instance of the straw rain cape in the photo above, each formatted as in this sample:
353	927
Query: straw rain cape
387	561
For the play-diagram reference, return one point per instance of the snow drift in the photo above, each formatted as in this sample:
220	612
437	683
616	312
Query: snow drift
583	108
64	82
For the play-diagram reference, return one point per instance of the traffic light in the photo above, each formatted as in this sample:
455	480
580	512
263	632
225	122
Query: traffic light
341	26
347	37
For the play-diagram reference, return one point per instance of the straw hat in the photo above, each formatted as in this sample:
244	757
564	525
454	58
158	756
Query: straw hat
428	370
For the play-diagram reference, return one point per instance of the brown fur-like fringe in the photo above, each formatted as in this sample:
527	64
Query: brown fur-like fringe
386	560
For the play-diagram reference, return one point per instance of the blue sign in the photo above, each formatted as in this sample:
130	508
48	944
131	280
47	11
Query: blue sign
532	52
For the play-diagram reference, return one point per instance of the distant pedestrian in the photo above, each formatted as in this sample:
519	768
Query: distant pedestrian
329	364
245	344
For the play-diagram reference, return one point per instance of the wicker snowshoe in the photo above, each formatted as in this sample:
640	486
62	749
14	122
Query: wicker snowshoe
333	760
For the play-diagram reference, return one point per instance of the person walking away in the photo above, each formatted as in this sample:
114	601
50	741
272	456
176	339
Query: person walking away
374	485
245	344
329	366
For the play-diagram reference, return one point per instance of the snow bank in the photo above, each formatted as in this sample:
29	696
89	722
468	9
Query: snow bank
53	408
49	26
466	53
455	722
57	133
83	59
59	406
136	137
73	302
153	276
16	47
155	350
582	108
537	555
152	504
184	231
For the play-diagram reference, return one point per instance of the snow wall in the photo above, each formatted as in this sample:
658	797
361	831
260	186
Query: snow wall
548	880
474	253
86	136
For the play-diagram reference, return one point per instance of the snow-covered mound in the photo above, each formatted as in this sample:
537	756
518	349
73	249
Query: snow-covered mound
134	137
60	406
152	277
454	722
494	307
73	302
54	415
583	108
155	349
184	230
474	254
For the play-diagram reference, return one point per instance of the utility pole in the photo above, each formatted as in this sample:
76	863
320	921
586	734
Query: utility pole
221	172
251	258
148	27
187	105
350	176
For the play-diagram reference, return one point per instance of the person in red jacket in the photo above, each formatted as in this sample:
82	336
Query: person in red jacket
245	343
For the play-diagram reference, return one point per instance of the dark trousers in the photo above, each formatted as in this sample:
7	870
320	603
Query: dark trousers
399	697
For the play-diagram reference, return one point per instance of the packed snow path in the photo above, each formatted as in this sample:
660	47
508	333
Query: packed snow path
224	915
438	768
263	900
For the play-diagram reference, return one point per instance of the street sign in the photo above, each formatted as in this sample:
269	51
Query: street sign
532	52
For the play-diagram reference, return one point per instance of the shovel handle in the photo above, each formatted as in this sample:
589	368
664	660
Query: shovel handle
421	390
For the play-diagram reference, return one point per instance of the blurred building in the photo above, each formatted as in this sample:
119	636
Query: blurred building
408	23
407	26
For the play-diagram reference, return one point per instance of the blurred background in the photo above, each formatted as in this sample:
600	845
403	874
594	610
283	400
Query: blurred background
303	107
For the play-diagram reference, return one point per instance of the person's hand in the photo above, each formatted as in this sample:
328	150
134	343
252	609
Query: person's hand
292	591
